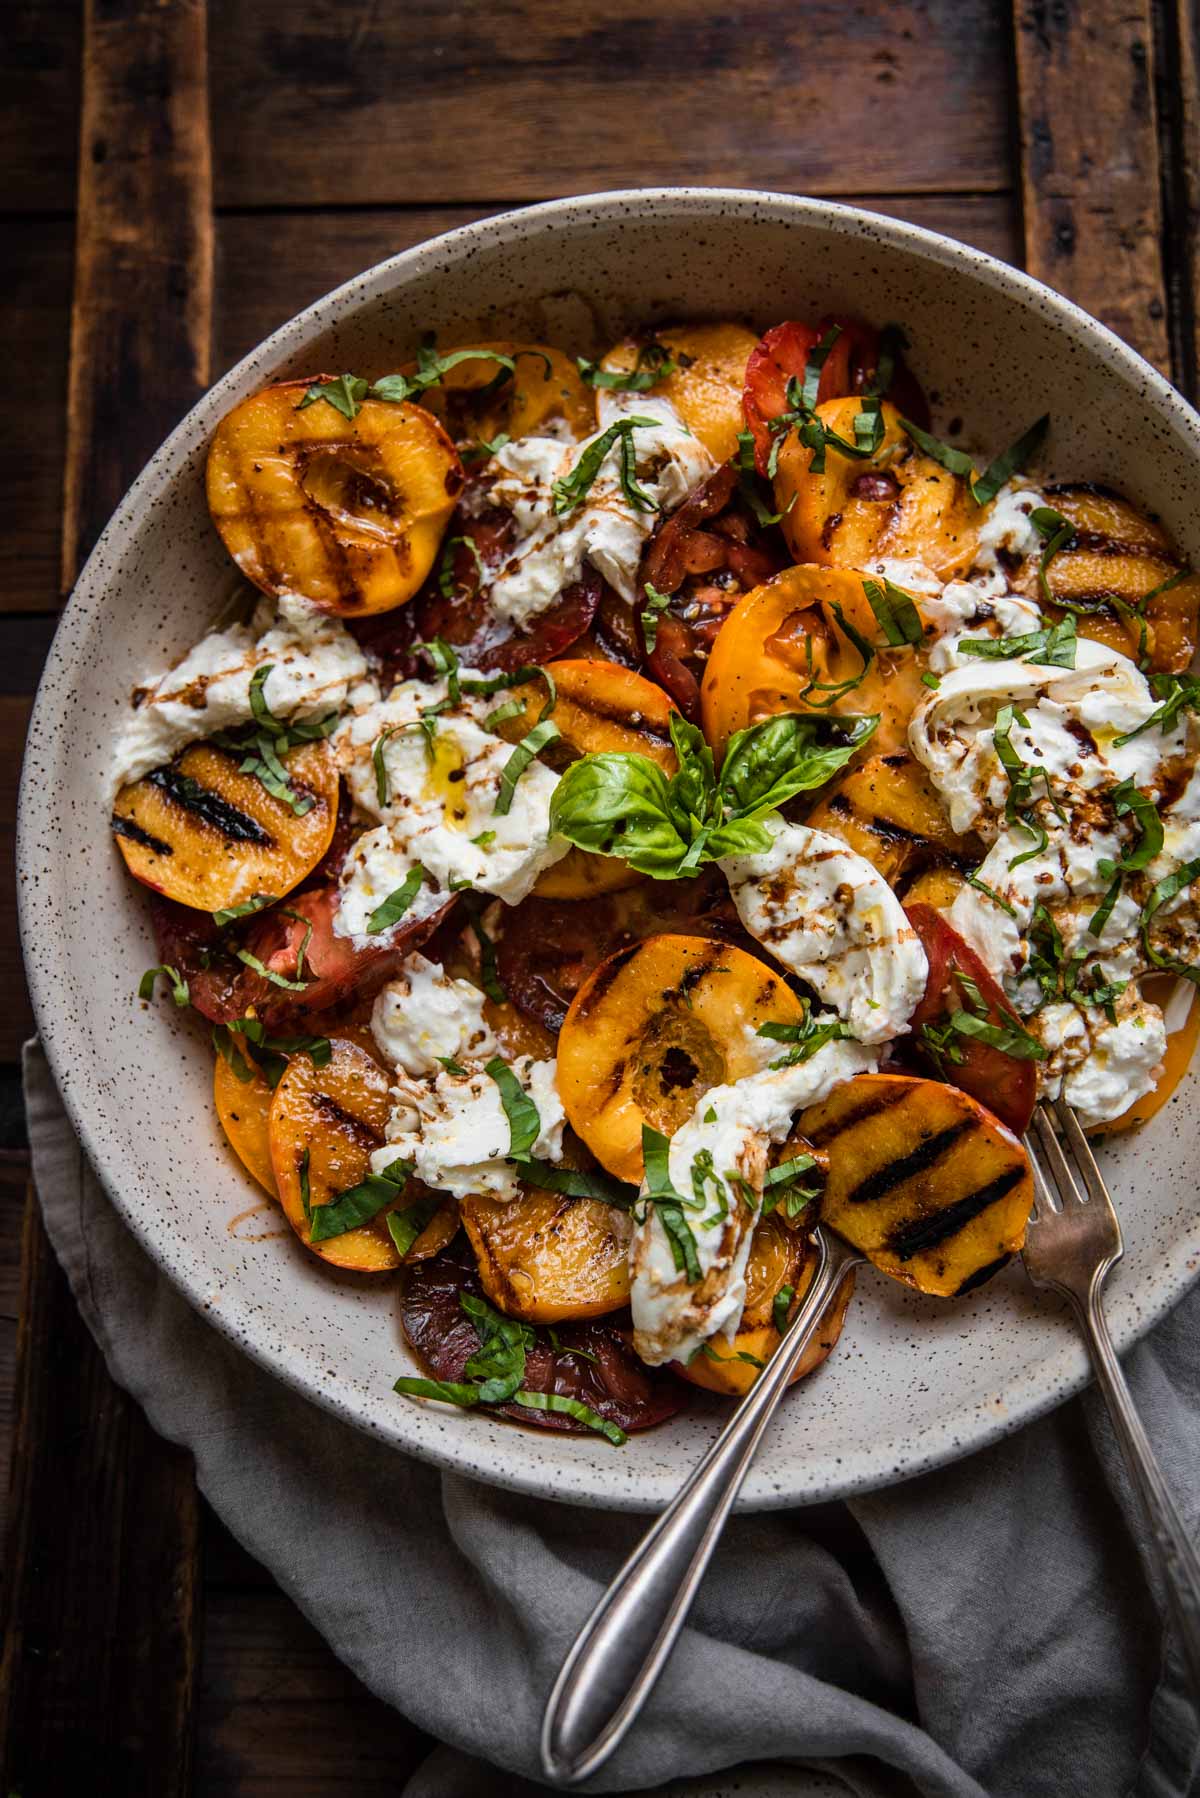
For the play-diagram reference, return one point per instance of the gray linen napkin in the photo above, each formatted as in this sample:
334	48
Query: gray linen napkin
981	1630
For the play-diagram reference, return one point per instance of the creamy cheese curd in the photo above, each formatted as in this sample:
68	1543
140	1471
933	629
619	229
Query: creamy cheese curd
454	1131
314	661
604	530
735	1124
423	1016
1100	1067
829	916
1007	529
439	809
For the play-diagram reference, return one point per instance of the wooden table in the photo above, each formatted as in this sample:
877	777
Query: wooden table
182	178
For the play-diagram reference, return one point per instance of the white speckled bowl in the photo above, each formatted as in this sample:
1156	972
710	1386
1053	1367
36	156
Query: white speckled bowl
915	1381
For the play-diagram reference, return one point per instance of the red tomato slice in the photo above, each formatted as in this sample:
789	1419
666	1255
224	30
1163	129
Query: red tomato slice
1007	1086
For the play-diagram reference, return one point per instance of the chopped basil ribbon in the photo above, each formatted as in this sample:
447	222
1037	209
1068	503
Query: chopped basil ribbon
656	602
932	681
281	980
445	661
383	786
246	909
892	341
572	1407
895	613
780	1187
405	1226
539	738
1178	693
397	903
571	489
576	1183
1056	532
984	487
1008	1039
302	1170
654	364
179	986
711	1354
446	581
512	708
668	1204
666	826
268	740
481	450
489	977
345	393
1164	891
1020	783
356	1206
780	1306
1128	802
806	1037
811	430
981	886
1054	647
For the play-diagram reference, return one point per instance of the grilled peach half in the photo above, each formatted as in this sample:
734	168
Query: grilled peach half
600	706
547	1258
783	647
922	1179
898	502
652	1029
480	400
780	1259
324	1125
209	836
1117	559
244	1108
348	512
886	809
706	386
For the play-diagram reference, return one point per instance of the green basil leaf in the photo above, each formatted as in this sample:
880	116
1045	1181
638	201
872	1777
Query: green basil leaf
489	976
356	1206
654	363
451	1392
1164	891
895	613
539	738
591	1183
405	1226
656	602
1054	647
572	488
572	1407
179	986
617	804
432	370
252	961
397	903
669	1204
1008	1039
781	1304
524	1124
1006	465
956	461
248	907
345	393
784	755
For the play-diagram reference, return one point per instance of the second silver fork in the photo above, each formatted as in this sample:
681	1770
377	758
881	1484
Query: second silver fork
1072	1242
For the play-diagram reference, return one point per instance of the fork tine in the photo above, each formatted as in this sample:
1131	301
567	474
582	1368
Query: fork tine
1084	1160
1063	1175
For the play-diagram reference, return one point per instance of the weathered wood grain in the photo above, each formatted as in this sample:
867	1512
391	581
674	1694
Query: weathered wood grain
328	104
39	53
16	1018
278	1714
100	1608
1089	161
143	251
1178	54
35	304
100	1599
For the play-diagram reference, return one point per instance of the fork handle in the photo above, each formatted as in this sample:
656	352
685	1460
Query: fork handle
1168	1544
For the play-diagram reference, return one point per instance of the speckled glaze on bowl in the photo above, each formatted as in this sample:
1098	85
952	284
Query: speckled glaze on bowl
915	1382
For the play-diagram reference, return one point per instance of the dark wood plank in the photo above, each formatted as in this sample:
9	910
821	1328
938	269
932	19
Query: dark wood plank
141	320
16	1017
100	1608
277	1713
312	252
1089	162
324	104
100	1599
39	52
35	310
1178	60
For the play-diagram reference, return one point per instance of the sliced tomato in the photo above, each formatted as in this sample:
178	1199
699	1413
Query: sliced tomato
1006	1085
850	367
592	1362
705	556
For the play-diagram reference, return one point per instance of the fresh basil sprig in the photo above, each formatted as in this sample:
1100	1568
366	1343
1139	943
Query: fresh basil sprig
397	903
806	1037
1054	647
656	602
346	393
1164	891
895	613
667	826
668	1204
176	981
1056	532
266	1054
801	415
1178	692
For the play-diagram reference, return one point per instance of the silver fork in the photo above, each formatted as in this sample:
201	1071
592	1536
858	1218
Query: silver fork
1072	1242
